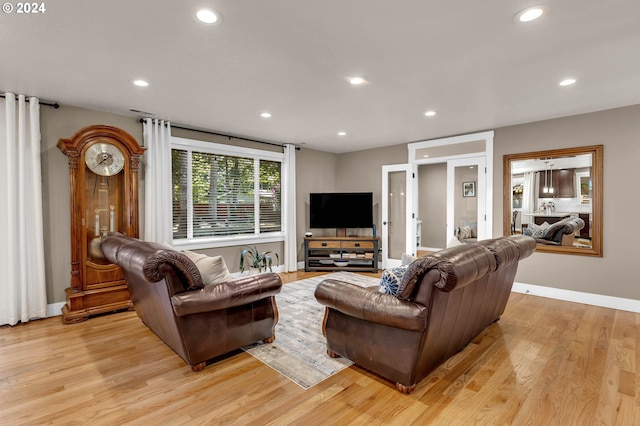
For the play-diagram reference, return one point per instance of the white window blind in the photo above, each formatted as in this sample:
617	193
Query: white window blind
270	196
219	195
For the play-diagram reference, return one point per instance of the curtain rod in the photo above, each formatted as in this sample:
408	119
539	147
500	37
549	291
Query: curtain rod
176	126
54	105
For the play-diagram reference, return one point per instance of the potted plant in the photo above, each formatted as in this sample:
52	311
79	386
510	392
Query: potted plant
256	260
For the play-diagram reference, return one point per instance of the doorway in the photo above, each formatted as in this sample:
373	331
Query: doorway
445	188
398	224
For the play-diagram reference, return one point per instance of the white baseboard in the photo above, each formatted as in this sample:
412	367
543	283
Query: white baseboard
631	305
619	303
54	309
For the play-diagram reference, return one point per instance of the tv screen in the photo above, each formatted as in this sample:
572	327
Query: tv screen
341	210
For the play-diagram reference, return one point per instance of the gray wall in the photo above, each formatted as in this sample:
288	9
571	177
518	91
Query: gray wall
432	205
315	172
362	171
618	130
63	123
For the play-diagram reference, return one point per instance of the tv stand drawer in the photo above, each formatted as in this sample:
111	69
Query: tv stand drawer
357	244
324	244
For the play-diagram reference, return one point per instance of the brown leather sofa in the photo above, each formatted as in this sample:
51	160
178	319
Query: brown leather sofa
443	301
561	233
199	322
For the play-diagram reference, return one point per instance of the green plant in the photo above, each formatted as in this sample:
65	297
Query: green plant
256	260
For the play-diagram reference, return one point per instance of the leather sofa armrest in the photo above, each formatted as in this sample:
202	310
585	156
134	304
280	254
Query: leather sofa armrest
236	292
152	262
370	305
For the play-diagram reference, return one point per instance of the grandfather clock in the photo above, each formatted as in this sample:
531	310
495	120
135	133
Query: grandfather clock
103	172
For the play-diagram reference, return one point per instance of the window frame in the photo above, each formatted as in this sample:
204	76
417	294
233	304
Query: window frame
190	145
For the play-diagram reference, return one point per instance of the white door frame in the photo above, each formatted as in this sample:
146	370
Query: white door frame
411	170
487	153
411	227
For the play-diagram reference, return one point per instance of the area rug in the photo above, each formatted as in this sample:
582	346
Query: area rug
299	351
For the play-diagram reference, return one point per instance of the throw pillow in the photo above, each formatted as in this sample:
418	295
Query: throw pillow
535	231
391	279
465	232
473	227
212	268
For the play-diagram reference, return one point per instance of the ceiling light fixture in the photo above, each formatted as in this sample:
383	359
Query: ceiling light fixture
567	82
430	113
208	16
342	133
265	114
531	13
141	83
357	81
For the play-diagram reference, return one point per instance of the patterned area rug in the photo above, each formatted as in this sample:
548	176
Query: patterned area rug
299	351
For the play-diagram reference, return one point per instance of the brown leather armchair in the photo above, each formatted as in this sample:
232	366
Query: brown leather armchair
199	322
443	301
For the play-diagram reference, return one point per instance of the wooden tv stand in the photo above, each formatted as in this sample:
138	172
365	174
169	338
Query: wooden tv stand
361	252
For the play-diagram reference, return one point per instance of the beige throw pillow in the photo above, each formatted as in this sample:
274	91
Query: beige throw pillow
212	268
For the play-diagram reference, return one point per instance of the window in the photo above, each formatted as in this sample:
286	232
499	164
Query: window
223	193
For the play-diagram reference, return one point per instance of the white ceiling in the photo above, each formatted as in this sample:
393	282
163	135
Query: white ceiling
466	59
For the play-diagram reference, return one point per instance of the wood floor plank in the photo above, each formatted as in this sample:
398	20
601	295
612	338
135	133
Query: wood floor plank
545	362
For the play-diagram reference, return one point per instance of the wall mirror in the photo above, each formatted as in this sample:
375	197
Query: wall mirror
548	194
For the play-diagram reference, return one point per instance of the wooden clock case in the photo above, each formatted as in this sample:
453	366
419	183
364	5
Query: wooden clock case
99	204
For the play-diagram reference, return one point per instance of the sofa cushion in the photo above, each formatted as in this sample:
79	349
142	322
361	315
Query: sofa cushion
391	279
212	268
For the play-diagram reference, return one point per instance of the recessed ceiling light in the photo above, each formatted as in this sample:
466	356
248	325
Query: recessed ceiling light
357	81
208	16
265	114
141	83
567	82
342	133
531	13
430	113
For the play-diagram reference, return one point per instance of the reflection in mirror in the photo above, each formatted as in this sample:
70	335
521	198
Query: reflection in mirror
556	197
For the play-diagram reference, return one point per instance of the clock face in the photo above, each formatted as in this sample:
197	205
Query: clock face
104	159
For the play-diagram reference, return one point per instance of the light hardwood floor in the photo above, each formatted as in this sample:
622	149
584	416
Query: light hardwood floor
545	362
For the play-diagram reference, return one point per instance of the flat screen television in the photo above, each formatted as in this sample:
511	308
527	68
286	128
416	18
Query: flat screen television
341	210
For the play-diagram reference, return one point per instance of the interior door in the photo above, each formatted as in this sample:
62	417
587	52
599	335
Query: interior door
398	232
466	195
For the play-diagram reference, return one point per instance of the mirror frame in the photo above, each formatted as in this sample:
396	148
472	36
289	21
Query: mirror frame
596	199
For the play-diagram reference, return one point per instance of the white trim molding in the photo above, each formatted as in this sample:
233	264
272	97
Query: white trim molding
603	301
55	309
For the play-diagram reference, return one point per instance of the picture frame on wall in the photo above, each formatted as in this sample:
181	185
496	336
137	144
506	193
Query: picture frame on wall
469	189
